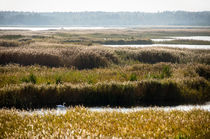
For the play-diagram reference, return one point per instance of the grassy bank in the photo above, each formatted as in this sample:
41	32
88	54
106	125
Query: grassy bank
80	123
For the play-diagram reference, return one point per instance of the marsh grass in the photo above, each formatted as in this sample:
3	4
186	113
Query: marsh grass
190	42
124	42
81	57
95	75
31	78
79	122
58	80
133	77
146	92
16	74
9	43
11	37
96	57
203	71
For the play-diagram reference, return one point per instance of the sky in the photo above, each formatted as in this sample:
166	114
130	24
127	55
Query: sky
104	5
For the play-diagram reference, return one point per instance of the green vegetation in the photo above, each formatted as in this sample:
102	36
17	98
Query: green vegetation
180	41
58	66
51	72
32	78
145	92
14	43
81	123
11	37
40	69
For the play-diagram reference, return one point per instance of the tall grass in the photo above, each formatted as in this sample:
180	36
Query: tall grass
156	55
17	74
148	92
15	43
95	57
32	78
124	42
190	42
9	43
79	122
80	58
204	71
11	37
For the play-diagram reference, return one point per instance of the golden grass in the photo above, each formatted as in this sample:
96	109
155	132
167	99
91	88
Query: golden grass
82	123
82	57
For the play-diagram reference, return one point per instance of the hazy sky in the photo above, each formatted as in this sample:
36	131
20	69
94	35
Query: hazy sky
104	5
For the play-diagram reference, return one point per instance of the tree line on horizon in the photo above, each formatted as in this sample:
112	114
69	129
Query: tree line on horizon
104	18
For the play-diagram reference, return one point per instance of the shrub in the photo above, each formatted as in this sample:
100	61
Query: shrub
166	72
31	78
133	77
58	80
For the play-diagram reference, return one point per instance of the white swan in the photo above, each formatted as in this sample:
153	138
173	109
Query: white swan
61	107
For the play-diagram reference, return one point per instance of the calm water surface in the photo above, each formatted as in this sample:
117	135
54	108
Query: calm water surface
205	107
164	45
57	28
200	38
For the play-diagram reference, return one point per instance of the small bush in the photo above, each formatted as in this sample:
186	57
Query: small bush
58	80
133	77
31	78
166	72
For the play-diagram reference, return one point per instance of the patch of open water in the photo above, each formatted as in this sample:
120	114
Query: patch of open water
199	38
164	45
205	107
57	28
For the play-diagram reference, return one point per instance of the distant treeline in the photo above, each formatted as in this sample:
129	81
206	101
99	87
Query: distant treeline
104	18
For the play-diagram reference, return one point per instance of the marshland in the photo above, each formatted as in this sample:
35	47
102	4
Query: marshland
43	68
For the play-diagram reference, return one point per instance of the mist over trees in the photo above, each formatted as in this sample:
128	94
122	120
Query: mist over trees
104	18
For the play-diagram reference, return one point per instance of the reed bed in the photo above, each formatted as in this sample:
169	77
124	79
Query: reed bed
145	92
182	41
63	66
79	57
79	122
15	43
95	57
17	74
139	84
